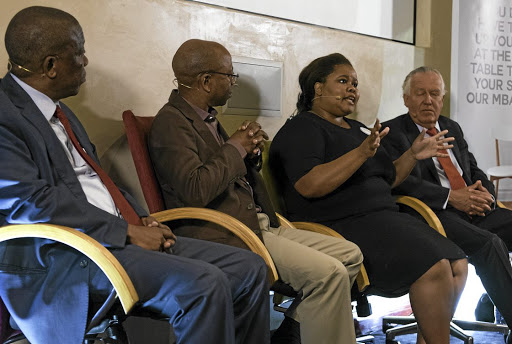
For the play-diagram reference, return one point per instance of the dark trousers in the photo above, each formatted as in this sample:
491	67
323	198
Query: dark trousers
486	240
211	293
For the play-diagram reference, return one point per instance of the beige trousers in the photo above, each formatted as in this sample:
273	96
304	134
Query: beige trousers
322	269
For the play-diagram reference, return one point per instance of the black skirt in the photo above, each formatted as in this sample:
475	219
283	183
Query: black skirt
398	248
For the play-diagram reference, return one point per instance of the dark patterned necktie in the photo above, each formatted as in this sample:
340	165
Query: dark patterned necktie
122	204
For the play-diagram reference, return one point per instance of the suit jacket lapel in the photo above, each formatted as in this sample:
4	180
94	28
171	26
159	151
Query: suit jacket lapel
202	129
176	100
54	147
240	182
455	149
223	133
426	165
444	124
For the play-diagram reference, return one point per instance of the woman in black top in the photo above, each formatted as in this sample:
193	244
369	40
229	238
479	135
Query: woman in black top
334	171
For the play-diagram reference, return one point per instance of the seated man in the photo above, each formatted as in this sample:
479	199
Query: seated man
455	188
197	164
207	290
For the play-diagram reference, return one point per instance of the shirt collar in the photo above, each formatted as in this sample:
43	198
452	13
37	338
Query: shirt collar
203	114
420	128
42	101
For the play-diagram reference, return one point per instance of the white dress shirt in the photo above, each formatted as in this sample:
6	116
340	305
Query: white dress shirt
94	189
440	171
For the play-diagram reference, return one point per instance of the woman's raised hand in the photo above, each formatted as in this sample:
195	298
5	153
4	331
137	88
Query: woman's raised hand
372	142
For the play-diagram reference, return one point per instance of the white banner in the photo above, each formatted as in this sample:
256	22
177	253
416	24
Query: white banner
391	19
481	80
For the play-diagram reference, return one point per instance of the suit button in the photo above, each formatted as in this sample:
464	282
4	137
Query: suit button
83	263
250	206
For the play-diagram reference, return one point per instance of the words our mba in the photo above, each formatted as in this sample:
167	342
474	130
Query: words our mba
489	98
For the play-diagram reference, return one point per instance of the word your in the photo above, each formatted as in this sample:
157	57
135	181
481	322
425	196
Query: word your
492	84
496	40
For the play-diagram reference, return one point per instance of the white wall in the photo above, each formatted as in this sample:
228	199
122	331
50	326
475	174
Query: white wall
130	45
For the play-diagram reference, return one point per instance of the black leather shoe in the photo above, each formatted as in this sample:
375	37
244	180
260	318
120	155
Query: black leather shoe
287	333
484	310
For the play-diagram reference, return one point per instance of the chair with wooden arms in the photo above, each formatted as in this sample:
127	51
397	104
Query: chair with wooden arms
359	291
107	320
137	129
407	324
278	203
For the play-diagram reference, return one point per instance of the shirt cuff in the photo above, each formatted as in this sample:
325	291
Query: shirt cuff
238	147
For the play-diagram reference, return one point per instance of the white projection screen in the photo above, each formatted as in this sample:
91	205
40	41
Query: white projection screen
389	19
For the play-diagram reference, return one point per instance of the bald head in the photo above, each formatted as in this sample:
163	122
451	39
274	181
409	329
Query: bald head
35	33
196	56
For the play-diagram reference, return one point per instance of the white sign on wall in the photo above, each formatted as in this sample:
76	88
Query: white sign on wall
390	19
481	90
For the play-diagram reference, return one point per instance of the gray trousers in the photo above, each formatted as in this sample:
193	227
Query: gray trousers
211	293
322	269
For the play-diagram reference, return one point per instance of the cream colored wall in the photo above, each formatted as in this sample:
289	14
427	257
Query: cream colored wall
130	45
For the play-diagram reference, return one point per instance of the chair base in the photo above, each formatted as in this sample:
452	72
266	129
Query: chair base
365	339
14	338
410	326
110	331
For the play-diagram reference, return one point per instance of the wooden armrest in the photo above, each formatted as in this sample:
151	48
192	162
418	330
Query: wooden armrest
362	279
500	205
317	228
230	223
283	221
424	210
85	244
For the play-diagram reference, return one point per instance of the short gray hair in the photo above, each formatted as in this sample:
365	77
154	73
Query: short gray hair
406	86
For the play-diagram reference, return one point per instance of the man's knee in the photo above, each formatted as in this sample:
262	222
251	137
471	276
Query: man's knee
494	246
250	264
496	243
355	254
333	271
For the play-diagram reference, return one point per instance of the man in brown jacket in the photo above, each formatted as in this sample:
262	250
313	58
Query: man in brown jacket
198	164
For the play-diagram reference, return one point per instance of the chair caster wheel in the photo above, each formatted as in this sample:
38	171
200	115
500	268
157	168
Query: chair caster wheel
392	341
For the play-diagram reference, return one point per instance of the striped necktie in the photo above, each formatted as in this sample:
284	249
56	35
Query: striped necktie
454	177
122	204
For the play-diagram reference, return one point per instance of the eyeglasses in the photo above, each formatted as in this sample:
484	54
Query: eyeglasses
232	77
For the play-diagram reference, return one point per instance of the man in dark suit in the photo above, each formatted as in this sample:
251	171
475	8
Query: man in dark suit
455	188
208	291
198	164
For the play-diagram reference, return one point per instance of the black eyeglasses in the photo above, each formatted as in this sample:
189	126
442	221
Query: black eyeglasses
232	77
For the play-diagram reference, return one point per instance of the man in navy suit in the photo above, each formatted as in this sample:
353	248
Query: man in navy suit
210	292
464	200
